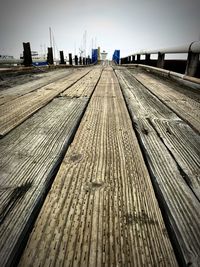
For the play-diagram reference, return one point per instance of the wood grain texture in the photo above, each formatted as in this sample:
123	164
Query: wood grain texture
172	151
16	111
182	142
186	103
85	86
40	80
101	209
30	155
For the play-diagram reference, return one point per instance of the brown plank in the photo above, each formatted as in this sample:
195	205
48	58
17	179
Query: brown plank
172	151
16	111
30	155
101	209
186	104
38	81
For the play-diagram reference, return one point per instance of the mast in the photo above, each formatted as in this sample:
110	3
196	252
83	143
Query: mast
50	36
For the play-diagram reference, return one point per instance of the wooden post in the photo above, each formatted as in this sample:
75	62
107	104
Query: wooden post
84	61
89	60
138	58
133	59
62	61
161	60
192	64
80	60
76	60
27	55
70	59
147	59
50	56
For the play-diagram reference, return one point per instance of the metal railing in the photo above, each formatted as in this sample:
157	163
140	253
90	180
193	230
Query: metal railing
192	50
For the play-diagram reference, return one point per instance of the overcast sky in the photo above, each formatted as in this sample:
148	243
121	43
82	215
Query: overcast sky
128	25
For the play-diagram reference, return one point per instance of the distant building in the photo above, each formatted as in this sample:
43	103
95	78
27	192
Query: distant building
4	57
104	55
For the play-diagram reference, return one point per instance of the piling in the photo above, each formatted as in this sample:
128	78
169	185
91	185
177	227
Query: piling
62	61
27	55
50	56
70	59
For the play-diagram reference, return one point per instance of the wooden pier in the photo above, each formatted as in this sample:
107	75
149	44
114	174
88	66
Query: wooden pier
100	166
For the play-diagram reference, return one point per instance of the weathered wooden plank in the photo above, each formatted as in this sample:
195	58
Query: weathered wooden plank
30	155
22	89
101	209
186	104
174	132
172	152
85	86
16	111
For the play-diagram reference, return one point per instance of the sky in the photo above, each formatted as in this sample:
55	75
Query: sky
128	25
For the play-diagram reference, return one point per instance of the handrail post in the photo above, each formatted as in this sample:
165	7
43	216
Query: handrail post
161	60
192	63
147	59
138	58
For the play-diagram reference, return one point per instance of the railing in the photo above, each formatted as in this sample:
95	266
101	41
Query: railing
192	65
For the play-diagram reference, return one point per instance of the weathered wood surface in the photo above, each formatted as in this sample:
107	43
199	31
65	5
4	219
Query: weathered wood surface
85	86
172	151
16	111
101	209
185	102
40	80
30	155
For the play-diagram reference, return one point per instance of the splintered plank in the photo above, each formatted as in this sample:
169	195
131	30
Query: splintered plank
186	104
172	151
22	89
16	111
101	209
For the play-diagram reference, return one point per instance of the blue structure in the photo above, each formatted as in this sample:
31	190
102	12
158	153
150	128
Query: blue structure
116	56
94	55
39	64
